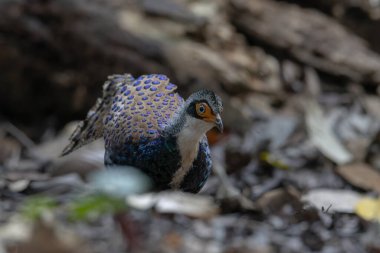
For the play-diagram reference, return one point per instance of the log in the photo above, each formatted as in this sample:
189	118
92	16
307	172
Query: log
56	54
360	16
307	36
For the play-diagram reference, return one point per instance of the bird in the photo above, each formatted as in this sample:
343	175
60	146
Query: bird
146	124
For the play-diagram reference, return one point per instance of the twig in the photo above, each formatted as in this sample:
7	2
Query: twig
19	135
230	191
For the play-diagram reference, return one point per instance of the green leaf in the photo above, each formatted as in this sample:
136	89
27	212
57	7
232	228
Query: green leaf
34	207
94	205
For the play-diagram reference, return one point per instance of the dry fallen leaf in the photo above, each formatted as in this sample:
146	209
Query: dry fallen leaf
19	186
197	206
52	148
333	200
14	231
227	191
361	175
84	161
372	105
319	128
274	200
322	135
10	152
43	236
368	209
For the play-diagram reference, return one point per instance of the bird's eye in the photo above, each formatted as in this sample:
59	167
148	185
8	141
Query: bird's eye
201	109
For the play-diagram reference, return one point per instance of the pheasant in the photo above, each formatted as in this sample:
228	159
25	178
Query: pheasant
147	125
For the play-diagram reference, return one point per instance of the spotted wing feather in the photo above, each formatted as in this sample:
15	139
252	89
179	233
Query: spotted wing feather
92	127
141	109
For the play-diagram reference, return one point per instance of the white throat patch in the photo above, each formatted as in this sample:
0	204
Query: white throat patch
188	143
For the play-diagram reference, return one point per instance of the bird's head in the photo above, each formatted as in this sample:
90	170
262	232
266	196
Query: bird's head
205	107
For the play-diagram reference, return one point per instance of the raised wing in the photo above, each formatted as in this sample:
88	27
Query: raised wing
140	109
92	127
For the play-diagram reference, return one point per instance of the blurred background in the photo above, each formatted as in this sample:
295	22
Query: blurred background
297	169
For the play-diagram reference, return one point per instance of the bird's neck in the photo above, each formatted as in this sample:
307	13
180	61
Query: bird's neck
189	131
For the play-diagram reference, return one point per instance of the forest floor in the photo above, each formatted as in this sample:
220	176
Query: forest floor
297	169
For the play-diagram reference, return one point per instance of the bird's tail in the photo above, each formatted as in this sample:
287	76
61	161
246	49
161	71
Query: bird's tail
92	127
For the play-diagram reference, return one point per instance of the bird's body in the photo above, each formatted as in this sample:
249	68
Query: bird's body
147	125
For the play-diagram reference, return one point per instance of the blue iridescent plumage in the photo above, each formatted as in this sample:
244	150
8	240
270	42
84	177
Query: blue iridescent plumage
160	159
146	124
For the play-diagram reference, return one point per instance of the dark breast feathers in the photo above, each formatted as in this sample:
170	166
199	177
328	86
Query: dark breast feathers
131	117
160	159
